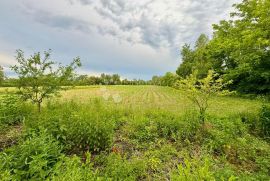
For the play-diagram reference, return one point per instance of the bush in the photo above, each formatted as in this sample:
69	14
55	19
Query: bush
80	128
224	132
34	158
156	125
252	120
12	109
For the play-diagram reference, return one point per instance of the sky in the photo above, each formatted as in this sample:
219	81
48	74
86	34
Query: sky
134	38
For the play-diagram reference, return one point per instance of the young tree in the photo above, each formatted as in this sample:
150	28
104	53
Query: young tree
41	78
2	75
199	91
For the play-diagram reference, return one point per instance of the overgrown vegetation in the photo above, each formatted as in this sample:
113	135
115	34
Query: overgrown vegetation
97	139
146	132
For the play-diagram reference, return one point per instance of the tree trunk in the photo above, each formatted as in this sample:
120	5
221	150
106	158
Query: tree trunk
39	106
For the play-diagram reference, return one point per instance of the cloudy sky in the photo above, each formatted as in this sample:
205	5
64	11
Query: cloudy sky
134	38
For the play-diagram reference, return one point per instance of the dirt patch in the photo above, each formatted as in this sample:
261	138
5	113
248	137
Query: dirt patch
10	136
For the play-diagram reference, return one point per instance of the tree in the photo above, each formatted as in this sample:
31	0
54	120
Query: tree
199	91
185	67
41	78
242	46
116	79
2	75
156	80
169	79
195	59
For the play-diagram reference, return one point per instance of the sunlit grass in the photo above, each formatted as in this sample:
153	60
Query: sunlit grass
155	97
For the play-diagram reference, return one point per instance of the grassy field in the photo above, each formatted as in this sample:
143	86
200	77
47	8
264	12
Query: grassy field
133	133
155	97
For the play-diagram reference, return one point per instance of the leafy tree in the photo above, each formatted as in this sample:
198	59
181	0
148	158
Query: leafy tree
41	78
169	79
2	75
242	46
185	67
156	80
199	91
82	80
115	79
195	59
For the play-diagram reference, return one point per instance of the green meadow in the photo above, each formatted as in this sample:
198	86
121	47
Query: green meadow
132	133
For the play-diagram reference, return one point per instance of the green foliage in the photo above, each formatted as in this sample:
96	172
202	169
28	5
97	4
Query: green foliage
79	127
195	59
265	121
34	158
118	168
239	49
156	125
242	45
168	79
12	109
229	139
38	77
148	136
194	169
71	168
199	91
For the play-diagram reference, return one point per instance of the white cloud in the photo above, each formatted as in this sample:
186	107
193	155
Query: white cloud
130	37
6	60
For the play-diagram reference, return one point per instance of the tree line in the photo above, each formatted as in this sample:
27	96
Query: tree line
103	79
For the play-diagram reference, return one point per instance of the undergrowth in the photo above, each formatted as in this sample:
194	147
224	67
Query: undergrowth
100	140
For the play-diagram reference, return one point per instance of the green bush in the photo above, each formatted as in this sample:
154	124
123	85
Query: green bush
156	125
223	133
12	109
34	158
80	128
178	128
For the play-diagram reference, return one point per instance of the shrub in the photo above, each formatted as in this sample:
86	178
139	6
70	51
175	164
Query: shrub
80	128
34	158
156	125
12	109
252	120
178	128
223	133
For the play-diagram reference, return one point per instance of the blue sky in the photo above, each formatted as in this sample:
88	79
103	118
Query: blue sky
134	38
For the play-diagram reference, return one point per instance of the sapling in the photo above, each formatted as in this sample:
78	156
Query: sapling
40	78
199	91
